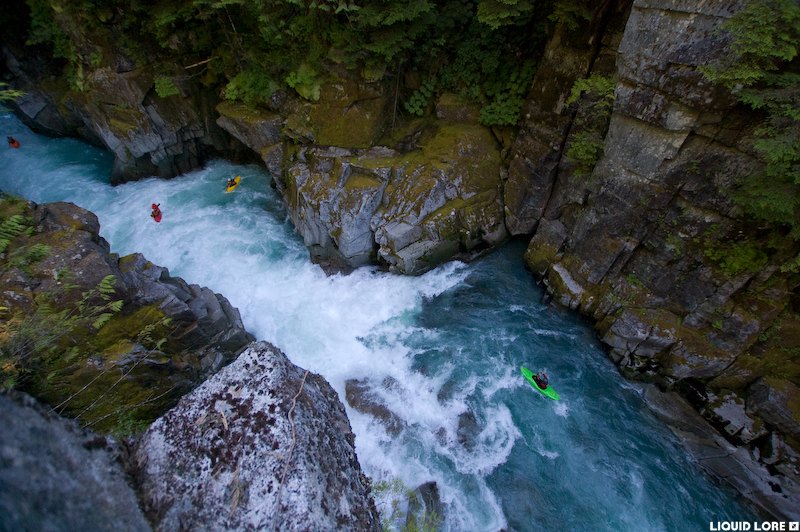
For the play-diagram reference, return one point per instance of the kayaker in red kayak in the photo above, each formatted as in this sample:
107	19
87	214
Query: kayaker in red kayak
156	211
14	143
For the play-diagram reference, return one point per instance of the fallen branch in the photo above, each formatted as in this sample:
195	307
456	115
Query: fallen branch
200	63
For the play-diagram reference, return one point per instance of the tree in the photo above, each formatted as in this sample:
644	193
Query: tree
765	39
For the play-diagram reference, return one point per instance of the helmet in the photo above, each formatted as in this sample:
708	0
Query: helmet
155	206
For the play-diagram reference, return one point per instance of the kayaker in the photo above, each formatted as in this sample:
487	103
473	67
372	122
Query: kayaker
14	143
231	182
542	381
156	210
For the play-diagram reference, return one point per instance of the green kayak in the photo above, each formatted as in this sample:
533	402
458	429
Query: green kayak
549	391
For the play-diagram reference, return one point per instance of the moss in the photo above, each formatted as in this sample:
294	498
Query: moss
123	328
94	377
539	257
240	111
788	390
121	128
361	182
354	126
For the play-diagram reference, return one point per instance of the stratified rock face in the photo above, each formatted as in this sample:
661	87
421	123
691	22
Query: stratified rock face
777	402
166	338
648	244
56	476
260	445
778	494
641	233
149	135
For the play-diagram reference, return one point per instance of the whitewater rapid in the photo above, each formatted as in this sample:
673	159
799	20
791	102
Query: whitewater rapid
441	351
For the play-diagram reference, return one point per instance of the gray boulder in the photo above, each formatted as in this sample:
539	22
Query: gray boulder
260	444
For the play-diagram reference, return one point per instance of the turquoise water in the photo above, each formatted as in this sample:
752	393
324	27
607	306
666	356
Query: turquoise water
441	351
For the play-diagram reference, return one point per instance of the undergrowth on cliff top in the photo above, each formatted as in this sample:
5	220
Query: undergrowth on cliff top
52	340
485	50
765	73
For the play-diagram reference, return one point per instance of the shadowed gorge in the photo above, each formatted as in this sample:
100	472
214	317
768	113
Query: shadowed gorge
638	157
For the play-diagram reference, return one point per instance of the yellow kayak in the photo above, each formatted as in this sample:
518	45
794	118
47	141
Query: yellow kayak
234	185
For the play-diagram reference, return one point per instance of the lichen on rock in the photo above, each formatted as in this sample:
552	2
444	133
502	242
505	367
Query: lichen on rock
259	444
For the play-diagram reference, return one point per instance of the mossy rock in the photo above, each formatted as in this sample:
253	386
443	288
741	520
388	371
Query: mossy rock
356	126
241	112
538	258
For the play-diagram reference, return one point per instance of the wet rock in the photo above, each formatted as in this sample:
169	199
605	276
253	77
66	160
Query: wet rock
359	396
260	444
425	508
733	465
727	411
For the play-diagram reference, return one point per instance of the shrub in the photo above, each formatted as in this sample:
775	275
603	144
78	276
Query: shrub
165	87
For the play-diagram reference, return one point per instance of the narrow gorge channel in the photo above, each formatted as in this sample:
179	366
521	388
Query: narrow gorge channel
427	366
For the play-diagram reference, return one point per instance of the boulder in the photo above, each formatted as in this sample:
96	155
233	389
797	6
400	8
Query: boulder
260	444
57	476
358	396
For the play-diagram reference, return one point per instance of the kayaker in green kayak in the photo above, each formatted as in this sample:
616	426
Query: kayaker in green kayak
540	382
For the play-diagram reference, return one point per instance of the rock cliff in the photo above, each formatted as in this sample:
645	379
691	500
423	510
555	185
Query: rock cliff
57	476
642	241
76	317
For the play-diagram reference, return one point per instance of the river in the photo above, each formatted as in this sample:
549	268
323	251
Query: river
441	351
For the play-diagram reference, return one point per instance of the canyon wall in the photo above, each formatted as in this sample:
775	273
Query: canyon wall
641	235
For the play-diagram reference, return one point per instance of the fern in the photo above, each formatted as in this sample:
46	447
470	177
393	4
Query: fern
585	150
601	87
106	286
165	87
37	252
10	229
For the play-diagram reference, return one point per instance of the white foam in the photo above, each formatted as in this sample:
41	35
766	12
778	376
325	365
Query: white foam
561	409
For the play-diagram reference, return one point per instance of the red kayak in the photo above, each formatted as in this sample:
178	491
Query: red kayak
156	214
14	143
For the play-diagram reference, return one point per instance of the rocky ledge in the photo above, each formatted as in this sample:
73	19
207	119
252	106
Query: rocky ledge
76	317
